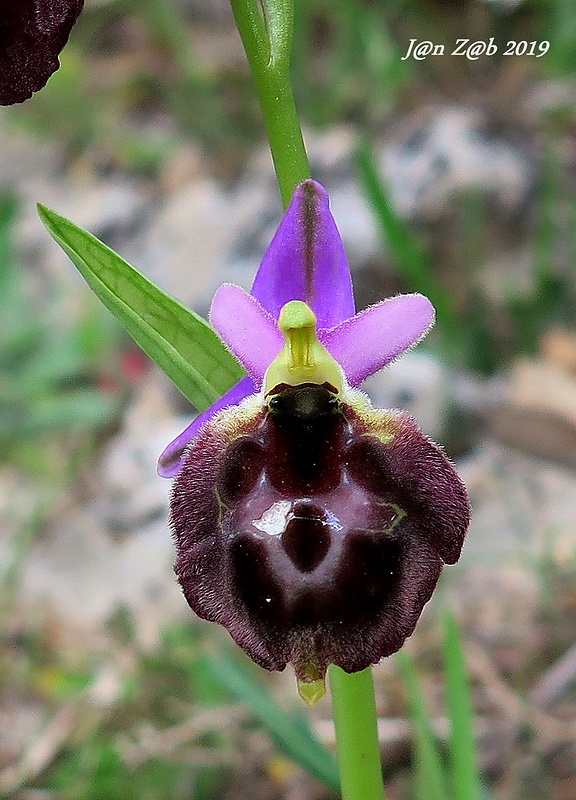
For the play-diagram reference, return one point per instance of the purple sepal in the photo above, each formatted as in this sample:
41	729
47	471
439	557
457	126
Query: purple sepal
170	461
306	261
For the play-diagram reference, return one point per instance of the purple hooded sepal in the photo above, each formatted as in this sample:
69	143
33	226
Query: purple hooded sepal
315	549
306	261
32	34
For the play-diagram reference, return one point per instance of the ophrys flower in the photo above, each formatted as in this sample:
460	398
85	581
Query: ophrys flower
311	525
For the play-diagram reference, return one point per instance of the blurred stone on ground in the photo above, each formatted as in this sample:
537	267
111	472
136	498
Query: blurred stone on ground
559	346
438	154
537	407
417	383
524	508
184	245
113	549
79	574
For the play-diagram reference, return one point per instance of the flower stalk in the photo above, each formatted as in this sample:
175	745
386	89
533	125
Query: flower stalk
266	32
354	710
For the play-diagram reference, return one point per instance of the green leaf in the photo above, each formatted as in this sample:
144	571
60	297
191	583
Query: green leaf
465	775
291	732
177	339
429	770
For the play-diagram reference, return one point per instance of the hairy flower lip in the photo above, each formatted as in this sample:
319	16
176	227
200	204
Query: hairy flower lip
392	513
305	261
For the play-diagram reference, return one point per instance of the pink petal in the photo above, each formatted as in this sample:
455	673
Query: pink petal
377	335
248	330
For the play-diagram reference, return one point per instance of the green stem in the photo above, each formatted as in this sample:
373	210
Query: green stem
354	710
266	27
267	39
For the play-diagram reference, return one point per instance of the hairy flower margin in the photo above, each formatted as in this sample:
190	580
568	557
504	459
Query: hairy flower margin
32	34
311	525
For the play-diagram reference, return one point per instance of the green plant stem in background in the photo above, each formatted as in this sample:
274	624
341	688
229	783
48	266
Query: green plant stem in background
355	720
266	32
461	745
409	256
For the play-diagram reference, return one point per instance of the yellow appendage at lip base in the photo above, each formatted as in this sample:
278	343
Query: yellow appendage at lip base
303	359
311	691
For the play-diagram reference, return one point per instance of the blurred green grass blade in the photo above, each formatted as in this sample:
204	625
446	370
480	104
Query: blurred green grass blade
167	26
16	322
8	211
77	410
177	339
409	257
58	366
462	745
82	409
18	550
430	783
291	733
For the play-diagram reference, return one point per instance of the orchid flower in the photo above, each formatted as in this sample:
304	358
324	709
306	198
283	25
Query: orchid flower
311	525
305	261
32	34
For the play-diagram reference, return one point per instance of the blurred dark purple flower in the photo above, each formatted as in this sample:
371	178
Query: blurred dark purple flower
32	34
312	526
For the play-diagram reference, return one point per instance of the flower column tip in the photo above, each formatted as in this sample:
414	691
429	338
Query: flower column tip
311	691
303	359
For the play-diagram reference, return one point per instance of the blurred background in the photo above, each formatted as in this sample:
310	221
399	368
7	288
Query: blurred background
450	176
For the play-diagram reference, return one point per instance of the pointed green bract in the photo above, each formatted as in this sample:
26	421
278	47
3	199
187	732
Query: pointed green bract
175	338
311	691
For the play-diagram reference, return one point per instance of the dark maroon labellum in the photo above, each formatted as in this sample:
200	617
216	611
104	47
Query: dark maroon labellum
315	528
